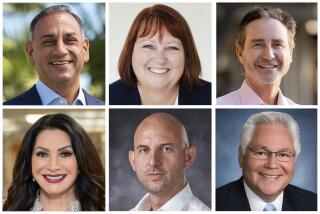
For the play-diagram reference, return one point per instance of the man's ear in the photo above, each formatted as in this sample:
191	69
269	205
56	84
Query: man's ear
239	52
131	160
190	156
29	51
85	47
291	53
240	156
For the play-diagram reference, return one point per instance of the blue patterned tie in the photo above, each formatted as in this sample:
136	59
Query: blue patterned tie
269	207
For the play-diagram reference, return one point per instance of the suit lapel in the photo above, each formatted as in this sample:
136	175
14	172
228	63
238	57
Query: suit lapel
238	199
90	100
31	97
288	201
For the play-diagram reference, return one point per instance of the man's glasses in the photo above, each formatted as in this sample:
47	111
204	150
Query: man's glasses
264	154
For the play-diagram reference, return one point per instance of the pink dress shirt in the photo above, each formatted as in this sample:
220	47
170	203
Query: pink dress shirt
246	96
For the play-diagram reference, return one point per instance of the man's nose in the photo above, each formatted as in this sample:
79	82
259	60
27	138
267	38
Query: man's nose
53	164
268	52
154	158
272	161
60	48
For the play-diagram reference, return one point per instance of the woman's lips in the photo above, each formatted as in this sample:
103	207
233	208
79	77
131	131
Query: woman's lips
54	178
158	70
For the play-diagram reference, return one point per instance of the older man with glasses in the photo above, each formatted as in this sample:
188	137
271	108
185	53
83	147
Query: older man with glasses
268	151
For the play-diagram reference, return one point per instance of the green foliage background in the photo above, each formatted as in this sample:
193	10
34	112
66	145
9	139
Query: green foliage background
19	75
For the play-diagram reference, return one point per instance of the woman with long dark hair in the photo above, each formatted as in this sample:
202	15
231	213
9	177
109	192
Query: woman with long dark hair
57	168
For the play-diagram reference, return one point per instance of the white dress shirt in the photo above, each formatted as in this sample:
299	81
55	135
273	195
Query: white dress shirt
182	201
246	96
257	204
47	95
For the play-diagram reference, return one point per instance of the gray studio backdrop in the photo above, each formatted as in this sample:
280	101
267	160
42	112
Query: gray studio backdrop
229	123
125	191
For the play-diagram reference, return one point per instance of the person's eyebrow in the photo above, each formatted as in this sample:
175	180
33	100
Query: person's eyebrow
141	146
70	34
161	145
269	149
261	40
143	39
278	40
43	148
256	40
177	42
47	36
65	147
167	144
51	35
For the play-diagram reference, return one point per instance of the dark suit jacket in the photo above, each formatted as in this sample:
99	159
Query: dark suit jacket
121	94
232	197
32	97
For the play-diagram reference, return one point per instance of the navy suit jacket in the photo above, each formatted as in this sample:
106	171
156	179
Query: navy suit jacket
32	97
121	94
232	197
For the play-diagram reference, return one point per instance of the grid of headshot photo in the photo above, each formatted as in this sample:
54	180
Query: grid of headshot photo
144	105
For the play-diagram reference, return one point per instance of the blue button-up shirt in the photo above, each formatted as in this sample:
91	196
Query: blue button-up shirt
50	97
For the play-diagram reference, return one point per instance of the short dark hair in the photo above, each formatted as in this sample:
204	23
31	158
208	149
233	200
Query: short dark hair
152	20
51	10
276	13
90	182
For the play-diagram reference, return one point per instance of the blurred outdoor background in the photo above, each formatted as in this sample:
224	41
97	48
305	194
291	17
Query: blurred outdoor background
16	122
19	75
300	83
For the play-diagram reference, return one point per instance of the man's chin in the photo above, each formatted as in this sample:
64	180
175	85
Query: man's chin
155	188
269	197
269	194
64	79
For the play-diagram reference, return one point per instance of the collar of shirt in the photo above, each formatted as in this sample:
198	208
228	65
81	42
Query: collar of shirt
257	204
47	95
249	96
176	203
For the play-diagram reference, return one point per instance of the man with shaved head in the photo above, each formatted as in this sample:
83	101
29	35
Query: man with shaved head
160	158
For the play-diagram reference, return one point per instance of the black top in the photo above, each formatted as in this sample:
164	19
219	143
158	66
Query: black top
121	94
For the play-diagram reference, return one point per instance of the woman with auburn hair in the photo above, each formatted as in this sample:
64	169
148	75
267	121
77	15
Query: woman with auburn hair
159	63
57	169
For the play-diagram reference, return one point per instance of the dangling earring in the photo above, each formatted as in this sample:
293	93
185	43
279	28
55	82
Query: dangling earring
33	179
